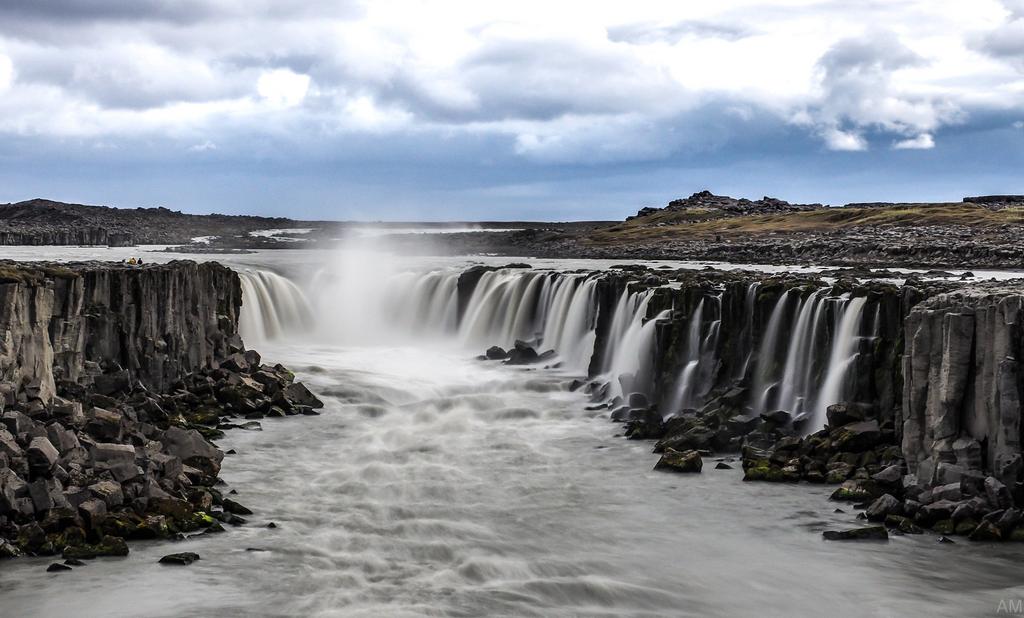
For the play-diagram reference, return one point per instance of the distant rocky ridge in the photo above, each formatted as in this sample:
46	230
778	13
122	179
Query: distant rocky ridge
730	206
46	222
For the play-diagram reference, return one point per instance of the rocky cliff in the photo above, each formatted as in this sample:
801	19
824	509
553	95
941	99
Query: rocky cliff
102	324
113	381
962	397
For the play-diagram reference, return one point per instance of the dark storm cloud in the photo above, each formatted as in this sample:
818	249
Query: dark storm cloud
180	11
173	11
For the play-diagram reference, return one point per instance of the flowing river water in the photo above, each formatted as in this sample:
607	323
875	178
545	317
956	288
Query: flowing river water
436	484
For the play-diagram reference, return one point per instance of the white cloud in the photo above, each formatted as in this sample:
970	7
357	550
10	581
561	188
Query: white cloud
1019	124
283	87
837	139
203	146
6	72
923	141
566	81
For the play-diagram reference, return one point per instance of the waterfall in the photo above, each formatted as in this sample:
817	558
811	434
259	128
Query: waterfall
749	303
550	310
801	362
272	307
571	332
684	390
844	352
799	359
766	357
813	348
502	309
629	360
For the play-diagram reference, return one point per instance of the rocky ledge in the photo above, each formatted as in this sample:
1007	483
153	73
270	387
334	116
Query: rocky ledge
115	382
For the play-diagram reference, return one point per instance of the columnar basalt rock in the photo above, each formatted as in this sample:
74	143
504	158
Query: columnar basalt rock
113	381
74	323
962	402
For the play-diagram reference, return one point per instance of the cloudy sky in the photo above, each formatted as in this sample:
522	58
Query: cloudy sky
553	109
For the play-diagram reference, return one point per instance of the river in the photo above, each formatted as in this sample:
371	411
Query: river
436	484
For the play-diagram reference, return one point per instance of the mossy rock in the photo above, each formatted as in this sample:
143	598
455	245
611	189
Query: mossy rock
903	524
152	527
118	524
108	546
859	490
672	460
965	526
194	521
204	415
1016	535
944	526
986	531
763	470
210	433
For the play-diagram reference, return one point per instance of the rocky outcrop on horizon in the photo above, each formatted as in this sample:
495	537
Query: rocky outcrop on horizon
47	222
723	205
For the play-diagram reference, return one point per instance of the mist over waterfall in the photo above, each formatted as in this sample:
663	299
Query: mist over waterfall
273	307
790	349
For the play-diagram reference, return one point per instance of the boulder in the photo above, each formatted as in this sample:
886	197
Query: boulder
839	414
522	354
1008	520
903	524
986	531
870	533
15	422
298	394
857	490
190	446
742	425
676	461
778	418
236	363
997	494
890	476
109	492
108	546
57	567
856	437
42	458
883	507
496	353
935	511
104	424
92	511
9	445
105	454
181	559
11	488
638	400
951	492
233	507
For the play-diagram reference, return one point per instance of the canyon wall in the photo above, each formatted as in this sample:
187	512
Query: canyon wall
98	236
962	397
112	324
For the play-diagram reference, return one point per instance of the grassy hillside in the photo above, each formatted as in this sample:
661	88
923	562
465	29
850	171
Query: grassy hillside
708	222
